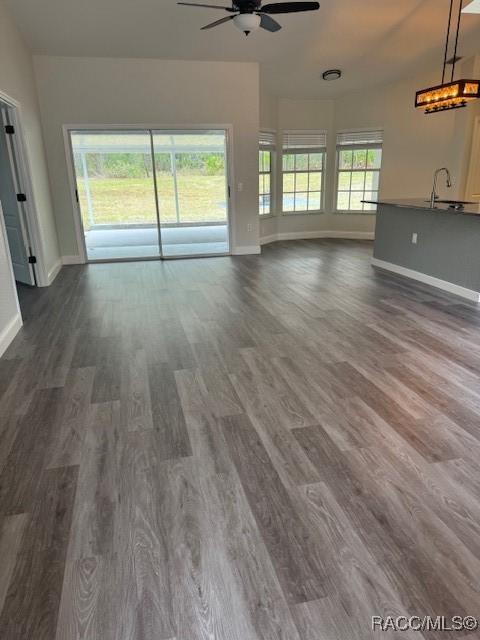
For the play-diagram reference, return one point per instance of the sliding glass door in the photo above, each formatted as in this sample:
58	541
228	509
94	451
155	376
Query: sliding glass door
116	193
151	194
192	191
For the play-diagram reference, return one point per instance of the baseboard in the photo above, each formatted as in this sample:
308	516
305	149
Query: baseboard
72	260
351	235
267	239
54	271
450	287
244	251
9	333
307	235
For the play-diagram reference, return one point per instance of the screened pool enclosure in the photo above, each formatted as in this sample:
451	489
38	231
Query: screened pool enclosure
147	194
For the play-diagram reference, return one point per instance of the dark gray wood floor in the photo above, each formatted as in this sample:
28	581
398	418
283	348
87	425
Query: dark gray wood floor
266	447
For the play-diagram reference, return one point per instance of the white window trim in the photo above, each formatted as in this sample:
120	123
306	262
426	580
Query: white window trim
322	148
271	174
272	148
352	147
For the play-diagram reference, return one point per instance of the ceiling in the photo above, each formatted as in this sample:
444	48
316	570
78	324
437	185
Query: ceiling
372	41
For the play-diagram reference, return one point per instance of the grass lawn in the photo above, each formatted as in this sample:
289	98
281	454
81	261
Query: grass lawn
132	200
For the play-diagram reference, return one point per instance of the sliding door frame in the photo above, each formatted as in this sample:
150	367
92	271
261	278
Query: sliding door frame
150	129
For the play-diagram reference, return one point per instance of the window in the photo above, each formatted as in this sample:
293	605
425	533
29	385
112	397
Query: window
302	170
359	157
265	164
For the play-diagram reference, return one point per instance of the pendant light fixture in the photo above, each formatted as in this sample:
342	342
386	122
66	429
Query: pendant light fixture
448	95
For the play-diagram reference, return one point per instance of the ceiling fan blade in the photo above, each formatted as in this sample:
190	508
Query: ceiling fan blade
268	23
207	6
290	7
217	22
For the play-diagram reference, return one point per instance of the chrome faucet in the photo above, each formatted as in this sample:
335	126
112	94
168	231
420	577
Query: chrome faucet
434	196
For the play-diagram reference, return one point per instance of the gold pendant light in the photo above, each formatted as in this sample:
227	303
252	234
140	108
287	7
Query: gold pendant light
448	95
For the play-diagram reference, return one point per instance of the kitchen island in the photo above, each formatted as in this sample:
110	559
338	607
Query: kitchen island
437	245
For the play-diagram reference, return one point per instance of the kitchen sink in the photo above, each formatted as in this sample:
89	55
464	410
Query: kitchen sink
455	204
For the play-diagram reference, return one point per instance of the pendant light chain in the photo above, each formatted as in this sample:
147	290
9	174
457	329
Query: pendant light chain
456	38
447	40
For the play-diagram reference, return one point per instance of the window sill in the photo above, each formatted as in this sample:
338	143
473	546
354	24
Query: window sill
265	216
303	213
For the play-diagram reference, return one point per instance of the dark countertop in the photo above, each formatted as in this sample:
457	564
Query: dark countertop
471	209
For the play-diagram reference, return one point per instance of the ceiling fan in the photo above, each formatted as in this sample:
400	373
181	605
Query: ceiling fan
250	15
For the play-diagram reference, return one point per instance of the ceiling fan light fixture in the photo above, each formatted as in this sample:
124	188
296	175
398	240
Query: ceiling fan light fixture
247	22
332	74
248	15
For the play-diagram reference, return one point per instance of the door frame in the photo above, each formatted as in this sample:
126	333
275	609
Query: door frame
79	231
473	168
25	176
20	214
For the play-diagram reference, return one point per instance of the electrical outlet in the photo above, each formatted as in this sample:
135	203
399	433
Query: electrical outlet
240	186
249	227
414	238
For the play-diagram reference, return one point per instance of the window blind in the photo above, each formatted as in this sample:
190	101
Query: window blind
267	140
361	138
304	140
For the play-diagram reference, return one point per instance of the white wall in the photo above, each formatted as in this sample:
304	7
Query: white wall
17	82
268	120
115	91
305	114
105	91
268	110
471	69
288	114
309	114
10	319
414	146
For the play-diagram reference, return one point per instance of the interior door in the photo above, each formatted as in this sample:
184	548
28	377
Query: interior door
192	185
13	210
